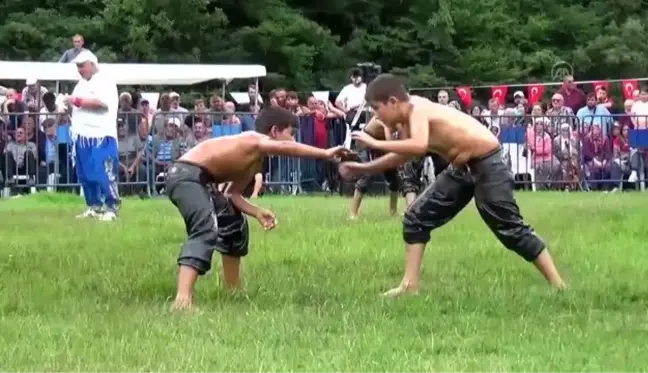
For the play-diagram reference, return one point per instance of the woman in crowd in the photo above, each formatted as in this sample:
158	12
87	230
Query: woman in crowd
542	159
597	155
566	149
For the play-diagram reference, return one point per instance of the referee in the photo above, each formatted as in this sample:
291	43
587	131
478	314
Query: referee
94	129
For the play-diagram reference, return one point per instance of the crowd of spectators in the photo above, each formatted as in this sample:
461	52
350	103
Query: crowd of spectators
578	140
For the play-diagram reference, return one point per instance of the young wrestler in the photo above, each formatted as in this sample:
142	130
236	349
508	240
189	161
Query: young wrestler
378	130
477	170
216	221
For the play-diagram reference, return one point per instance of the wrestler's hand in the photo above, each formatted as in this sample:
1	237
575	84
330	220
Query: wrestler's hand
351	170
266	218
363	138
337	152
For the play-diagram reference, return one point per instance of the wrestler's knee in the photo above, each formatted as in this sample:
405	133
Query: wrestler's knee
414	231
197	251
361	184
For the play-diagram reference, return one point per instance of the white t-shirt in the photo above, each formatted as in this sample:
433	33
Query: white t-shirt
91	123
352	96
640	109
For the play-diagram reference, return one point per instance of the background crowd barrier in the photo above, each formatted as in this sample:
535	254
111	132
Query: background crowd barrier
544	152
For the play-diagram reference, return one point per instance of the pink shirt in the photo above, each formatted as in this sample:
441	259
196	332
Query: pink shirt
540	146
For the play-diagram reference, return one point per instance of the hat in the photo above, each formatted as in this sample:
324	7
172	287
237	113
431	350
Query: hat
175	120
85	56
173	95
518	94
30	81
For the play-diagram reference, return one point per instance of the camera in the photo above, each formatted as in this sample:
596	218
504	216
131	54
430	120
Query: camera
369	71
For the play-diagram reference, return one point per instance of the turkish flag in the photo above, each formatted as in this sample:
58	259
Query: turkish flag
629	86
464	94
499	92
535	92
600	84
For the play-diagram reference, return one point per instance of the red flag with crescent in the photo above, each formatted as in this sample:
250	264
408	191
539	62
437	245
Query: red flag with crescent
499	92
464	94
600	84
535	92
629	86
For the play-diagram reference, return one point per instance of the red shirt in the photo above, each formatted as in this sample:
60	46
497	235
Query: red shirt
321	133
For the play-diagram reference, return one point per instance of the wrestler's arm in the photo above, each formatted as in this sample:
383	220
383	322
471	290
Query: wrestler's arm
416	145
376	129
234	191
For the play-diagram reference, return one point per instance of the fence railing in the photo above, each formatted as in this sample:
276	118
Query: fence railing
544	152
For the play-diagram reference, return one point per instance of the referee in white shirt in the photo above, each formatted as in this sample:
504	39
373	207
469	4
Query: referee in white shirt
94	130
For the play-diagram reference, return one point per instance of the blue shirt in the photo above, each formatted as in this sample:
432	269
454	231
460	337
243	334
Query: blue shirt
165	151
51	145
599	115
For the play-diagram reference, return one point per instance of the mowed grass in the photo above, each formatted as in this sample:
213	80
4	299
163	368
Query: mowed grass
91	296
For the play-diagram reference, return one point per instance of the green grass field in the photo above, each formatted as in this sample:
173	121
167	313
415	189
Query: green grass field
92	296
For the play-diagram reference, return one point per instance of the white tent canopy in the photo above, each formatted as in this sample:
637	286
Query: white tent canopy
132	74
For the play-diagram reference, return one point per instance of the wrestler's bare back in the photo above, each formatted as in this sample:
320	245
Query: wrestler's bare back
228	158
453	134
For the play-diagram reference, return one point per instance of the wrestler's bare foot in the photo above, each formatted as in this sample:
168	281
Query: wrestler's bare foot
401	290
183	302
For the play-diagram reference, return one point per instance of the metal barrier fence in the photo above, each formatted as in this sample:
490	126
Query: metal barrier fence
544	152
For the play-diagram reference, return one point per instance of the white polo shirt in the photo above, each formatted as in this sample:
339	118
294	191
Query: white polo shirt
352	96
93	123
640	109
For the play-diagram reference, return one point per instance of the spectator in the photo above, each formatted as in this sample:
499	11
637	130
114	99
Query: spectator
626	118
131	151
443	97
352	96
147	112
70	54
518	98
184	134
280	96
161	116
230	118
542	159
537	116
200	132
597	155
321	116
455	104
640	110
594	114
476	111
49	110
127	114
256	102
32	94
55	152
493	116
566	150
273	99
201	113
35	135
216	109
143	130
603	99
292	103
20	158
165	150
175	105
558	114
14	110
573	97
620	167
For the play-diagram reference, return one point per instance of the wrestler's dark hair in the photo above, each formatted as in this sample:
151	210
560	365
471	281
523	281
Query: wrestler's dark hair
384	87
274	117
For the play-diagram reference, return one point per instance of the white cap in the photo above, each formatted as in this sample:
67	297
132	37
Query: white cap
518	93
30	81
176	121
173	94
86	56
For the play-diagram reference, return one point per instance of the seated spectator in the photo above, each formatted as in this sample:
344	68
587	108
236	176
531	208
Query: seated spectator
201	113
131	151
20	159
161	116
56	158
566	150
200	132
49	110
620	168
164	151
176	108
147	112
597	155
13	109
184	134
558	114
594	114
35	135
143	129
542	159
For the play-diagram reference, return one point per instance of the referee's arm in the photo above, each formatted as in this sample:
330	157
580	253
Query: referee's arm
106	96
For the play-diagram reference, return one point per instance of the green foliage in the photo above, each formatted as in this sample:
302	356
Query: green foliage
312	45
